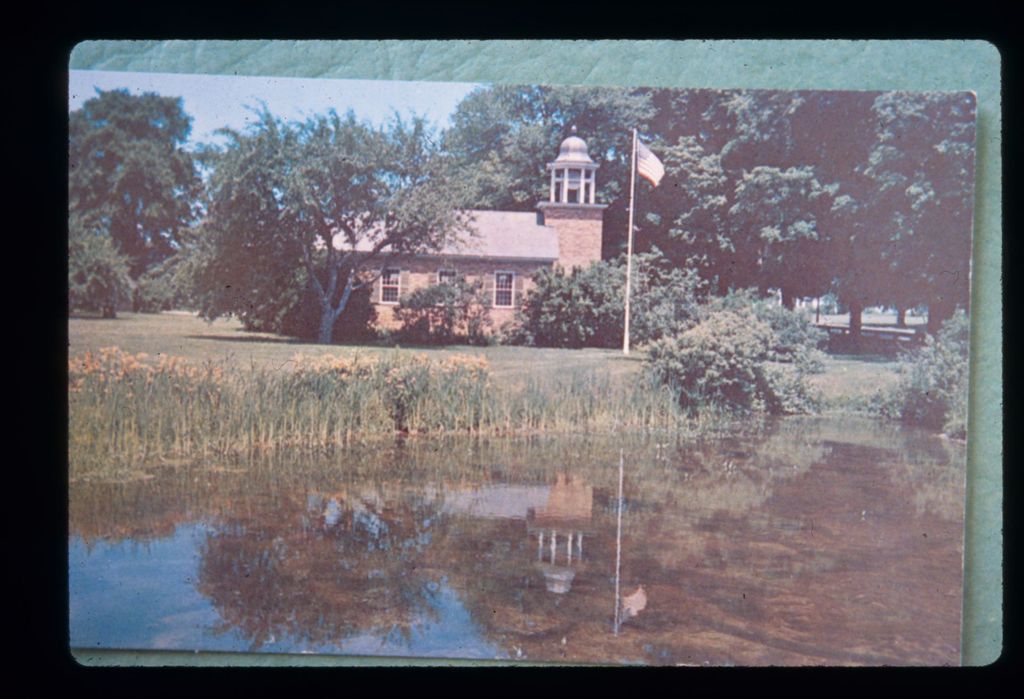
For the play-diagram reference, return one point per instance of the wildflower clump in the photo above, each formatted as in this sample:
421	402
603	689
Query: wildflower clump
409	392
124	407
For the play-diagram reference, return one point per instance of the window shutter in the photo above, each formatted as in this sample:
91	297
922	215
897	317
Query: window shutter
517	285
403	284
489	290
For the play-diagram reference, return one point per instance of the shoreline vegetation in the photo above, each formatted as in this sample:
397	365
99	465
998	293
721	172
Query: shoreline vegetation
129	408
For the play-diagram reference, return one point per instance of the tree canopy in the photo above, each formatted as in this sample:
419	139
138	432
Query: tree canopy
129	174
867	195
313	210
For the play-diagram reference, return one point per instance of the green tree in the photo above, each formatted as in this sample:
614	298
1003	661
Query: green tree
129	173
778	213
97	273
695	204
504	135
319	206
922	165
761	123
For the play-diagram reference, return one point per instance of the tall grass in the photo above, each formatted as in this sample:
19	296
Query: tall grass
126	409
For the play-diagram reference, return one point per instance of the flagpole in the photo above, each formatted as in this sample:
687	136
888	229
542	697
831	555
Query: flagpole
618	546
629	244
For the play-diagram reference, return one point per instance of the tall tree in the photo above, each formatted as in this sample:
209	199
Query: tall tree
779	213
504	135
319	206
129	173
922	165
762	122
693	205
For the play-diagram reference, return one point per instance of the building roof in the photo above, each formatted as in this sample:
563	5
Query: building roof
507	234
501	234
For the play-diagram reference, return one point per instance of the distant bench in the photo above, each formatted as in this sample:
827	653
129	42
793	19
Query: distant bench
873	338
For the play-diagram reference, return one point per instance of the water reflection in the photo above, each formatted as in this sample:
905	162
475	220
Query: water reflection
804	541
565	517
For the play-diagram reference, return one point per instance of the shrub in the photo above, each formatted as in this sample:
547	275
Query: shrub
586	307
97	273
514	332
794	339
724	362
444	314
932	389
574	309
664	299
717	362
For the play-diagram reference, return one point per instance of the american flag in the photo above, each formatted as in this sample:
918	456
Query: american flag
648	165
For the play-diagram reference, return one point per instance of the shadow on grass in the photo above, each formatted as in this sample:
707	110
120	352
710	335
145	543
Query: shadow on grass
91	316
272	340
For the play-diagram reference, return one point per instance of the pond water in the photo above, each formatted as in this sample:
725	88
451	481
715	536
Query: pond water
800	541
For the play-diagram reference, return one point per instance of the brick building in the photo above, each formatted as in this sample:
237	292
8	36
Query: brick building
508	247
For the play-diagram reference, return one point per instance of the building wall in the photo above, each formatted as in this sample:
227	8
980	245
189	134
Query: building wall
579	232
421	272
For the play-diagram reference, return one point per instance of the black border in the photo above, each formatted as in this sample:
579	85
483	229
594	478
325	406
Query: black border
42	44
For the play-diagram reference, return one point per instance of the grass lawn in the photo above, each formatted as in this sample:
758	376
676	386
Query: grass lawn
184	335
850	380
847	382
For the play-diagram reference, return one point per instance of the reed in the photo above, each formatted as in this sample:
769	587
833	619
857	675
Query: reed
129	409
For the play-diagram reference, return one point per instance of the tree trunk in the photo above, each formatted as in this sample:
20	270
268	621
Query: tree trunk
111	312
938	312
327	318
856	308
329	315
901	317
788	299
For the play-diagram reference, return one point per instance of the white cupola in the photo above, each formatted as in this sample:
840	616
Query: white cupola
572	173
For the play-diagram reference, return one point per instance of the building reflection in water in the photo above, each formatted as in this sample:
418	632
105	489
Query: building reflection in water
559	527
558	517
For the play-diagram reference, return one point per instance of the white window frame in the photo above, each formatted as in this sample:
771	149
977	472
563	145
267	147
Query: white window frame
511	289
397	285
454	275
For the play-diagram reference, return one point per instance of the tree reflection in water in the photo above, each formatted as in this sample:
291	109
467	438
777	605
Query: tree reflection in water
796	542
322	568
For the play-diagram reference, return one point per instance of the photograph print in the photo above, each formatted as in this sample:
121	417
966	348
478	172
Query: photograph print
537	373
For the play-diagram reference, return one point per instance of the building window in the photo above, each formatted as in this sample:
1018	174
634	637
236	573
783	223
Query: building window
446	276
503	282
390	285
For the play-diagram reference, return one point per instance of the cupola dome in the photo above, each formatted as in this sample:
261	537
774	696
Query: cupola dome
573	151
572	173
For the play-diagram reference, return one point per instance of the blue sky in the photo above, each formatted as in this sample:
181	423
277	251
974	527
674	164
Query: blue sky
215	101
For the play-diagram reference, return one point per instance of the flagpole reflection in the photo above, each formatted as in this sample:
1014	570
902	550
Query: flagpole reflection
618	544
